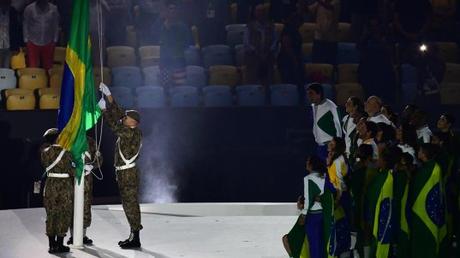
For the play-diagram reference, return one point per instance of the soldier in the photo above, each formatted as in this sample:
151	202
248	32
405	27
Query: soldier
125	127
58	192
93	159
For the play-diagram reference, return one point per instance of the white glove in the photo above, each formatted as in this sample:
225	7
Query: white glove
104	89
88	167
102	104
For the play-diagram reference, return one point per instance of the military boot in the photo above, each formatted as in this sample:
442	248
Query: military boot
60	247
132	242
52	244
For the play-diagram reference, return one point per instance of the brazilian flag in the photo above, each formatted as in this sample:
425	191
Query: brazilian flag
428	220
78	110
382	218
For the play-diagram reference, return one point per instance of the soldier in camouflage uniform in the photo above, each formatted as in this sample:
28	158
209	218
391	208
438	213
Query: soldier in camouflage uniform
124	125
58	191
93	160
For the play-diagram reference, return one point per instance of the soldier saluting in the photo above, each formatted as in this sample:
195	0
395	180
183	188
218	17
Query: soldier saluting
125	126
58	192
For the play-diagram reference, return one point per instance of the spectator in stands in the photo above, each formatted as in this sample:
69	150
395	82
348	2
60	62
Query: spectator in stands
445	125
361	11
280	10
444	27
354	107
326	122
430	70
146	14
419	121
41	32
325	43
260	44
20	5
97	29
174	39
373	107
119	18
211	18
65	14
412	20
10	33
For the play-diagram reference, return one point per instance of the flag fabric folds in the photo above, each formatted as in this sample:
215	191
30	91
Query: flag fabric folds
78	110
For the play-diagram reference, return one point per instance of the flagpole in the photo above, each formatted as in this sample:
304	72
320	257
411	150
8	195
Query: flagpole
78	210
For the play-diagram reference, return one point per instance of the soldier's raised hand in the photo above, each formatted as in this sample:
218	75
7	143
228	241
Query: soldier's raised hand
104	89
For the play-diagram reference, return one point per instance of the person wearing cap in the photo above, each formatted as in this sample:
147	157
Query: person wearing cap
58	191
93	160
125	126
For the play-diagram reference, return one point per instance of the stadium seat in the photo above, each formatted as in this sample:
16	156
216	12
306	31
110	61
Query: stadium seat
448	51
408	74
408	92
347	73
344	32
319	73
217	55
59	55
184	96
124	96
121	56
11	92
345	90
49	101
217	96
450	94
55	75
127	76
150	97
131	36
192	56
32	78
306	52
452	73
250	95
105	72
51	91
151	75
235	34
307	32
21	102
223	75
195	76
284	95
149	55
347	53
7	79
239	55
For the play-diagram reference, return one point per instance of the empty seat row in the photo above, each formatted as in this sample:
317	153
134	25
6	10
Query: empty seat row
26	99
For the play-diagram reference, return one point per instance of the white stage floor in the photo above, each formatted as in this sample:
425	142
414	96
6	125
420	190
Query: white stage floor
230	230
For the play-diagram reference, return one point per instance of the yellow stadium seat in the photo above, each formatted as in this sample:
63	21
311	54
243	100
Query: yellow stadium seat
21	102
448	51
43	91
98	78
345	90
121	56
344	32
59	55
55	75
32	78
450	93
319	72
131	36
307	31
49	101
149	55
223	75
196	36
18	61
234	12
452	73
11	92
347	73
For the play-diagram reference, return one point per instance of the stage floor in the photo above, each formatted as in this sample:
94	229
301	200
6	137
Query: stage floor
231	230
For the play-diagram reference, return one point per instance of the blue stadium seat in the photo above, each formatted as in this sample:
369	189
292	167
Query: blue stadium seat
235	34
347	53
408	92
250	95
192	56
284	95
127	76
123	96
151	75
150	97
217	96
196	76
184	96
217	55
7	79
408	74
329	92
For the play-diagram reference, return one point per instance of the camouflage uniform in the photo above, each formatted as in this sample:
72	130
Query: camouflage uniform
91	160
128	143
58	192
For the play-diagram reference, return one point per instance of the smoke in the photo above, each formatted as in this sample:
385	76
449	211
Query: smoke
157	174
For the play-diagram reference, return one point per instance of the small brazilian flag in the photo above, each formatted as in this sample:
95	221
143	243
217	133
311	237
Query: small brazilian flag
78	110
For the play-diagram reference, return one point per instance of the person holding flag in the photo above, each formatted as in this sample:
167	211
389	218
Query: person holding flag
125	126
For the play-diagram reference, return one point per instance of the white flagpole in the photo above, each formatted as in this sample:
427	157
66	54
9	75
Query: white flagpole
78	210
